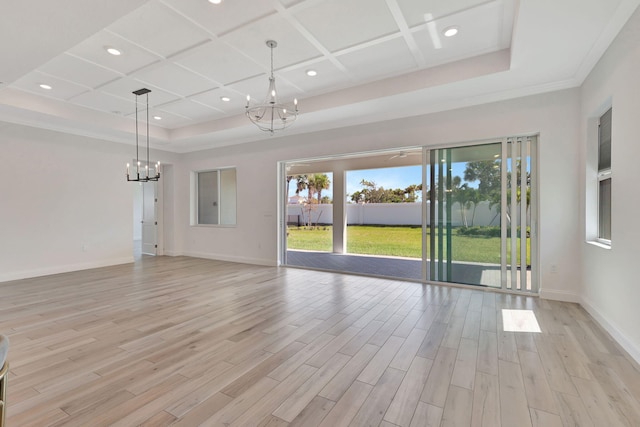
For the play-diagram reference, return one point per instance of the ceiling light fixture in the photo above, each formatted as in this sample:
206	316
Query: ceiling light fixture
144	177
113	51
312	73
157	118
271	116
450	31
45	86
225	99
215	1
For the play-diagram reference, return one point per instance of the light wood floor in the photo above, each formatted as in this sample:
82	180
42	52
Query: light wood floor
183	341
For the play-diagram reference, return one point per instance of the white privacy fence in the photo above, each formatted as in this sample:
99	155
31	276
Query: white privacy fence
391	214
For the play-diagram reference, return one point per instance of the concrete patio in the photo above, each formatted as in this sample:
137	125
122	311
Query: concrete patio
396	267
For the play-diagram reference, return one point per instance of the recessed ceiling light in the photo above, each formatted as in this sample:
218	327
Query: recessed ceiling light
215	1
450	31
312	73
225	99
112	50
157	118
45	86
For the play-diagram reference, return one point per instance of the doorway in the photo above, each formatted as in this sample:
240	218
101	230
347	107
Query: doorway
145	219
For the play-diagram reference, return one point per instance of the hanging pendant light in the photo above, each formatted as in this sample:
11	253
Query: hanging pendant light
142	175
271	116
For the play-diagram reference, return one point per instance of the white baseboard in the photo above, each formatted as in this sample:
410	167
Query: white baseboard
27	274
560	296
230	258
173	253
632	348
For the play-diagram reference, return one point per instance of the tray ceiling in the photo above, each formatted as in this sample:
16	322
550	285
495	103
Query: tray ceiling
192	53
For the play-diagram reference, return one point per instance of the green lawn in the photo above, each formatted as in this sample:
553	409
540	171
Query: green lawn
399	241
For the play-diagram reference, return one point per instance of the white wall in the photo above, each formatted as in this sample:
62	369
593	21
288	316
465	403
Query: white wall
392	214
64	202
609	277
555	116
228	196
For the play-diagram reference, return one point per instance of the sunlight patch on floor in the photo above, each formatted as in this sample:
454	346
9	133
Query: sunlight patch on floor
519	321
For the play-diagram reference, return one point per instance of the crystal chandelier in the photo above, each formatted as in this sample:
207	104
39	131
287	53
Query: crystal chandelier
142	175
270	115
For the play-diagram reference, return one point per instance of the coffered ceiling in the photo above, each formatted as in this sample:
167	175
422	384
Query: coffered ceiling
374	59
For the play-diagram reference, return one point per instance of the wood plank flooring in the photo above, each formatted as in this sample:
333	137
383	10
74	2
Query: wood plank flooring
189	342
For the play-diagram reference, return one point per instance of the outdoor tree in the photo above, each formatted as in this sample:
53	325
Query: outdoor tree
371	193
319	182
302	182
413	192
314	184
458	193
487	174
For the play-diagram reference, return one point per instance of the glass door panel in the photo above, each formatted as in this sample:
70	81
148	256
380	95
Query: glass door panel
518	214
463	220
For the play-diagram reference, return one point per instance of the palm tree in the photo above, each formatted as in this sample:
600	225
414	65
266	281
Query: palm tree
458	191
411	191
321	182
302	182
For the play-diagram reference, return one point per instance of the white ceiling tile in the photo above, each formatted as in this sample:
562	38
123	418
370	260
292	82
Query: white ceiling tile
159	29
125	86
329	77
212	98
289	3
351	22
220	62
181	49
104	102
292	47
175	79
226	16
414	11
61	89
192	110
480	32
78	70
132	58
167	120
365	64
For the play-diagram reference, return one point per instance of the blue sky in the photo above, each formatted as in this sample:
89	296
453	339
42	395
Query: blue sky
401	177
387	178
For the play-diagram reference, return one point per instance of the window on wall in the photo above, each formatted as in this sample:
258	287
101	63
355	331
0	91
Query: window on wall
214	197
604	178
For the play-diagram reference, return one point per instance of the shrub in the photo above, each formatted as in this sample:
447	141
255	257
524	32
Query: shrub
486	231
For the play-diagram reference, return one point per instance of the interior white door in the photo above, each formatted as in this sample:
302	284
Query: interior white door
149	218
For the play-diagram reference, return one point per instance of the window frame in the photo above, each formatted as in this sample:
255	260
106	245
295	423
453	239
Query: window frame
604	174
221	201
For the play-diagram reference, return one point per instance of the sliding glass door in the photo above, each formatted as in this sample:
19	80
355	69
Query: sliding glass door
471	218
479	218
